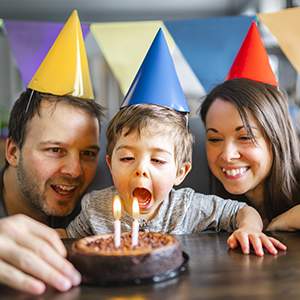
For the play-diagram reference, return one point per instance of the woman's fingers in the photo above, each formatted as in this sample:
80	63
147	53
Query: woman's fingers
258	242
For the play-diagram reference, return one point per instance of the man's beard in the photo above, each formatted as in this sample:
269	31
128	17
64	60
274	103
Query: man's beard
30	188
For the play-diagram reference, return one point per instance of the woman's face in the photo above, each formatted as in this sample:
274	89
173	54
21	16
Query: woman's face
234	159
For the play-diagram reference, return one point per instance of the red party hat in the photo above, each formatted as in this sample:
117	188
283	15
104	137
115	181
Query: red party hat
252	61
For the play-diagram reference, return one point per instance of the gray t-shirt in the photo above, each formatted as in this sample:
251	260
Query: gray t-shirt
184	211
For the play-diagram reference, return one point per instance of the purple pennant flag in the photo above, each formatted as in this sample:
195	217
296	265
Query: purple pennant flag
30	43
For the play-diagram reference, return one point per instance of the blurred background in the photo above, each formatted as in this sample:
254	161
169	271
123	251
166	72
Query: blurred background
106	88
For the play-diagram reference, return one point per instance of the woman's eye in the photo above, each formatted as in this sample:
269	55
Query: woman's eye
214	140
246	138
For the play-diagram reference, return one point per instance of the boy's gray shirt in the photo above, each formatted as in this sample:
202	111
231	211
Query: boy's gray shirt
184	211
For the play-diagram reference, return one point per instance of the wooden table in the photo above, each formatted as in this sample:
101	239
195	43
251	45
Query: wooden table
214	272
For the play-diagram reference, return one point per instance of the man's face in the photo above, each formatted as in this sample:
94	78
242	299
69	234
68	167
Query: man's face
59	157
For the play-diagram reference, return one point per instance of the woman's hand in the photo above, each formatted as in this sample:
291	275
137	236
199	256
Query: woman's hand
245	237
249	232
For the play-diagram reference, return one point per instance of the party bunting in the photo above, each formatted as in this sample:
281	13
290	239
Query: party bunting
31	41
285	27
124	46
210	45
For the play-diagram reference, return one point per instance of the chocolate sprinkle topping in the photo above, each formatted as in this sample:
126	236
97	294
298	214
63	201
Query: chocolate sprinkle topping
146	241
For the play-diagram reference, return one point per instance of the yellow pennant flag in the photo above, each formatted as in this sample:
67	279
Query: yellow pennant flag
285	26
65	69
125	45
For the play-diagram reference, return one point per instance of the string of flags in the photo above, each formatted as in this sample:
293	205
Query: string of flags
208	45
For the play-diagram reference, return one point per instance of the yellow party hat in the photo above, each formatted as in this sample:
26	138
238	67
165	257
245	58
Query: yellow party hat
65	69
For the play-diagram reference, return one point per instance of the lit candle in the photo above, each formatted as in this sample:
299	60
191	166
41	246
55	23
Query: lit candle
135	223
117	224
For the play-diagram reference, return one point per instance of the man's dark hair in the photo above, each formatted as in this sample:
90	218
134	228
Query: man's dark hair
28	105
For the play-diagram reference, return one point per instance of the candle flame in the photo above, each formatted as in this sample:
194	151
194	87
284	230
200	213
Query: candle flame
135	208
117	207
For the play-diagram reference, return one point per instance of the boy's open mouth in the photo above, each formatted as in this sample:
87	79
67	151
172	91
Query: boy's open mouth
143	196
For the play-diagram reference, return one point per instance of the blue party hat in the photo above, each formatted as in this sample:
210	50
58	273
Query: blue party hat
156	81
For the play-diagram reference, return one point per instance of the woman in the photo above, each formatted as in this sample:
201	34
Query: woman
252	147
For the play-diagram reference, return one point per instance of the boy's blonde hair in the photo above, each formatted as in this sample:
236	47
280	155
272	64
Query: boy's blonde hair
156	119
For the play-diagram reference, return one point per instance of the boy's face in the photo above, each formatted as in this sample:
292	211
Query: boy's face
144	167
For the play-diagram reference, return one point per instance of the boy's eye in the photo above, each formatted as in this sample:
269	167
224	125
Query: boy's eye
158	161
127	159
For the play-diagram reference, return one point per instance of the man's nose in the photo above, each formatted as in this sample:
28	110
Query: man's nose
72	166
230	152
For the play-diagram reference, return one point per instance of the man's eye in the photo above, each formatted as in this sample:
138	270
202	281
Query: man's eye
89	153
55	150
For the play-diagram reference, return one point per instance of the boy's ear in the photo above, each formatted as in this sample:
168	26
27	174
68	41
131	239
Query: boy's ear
108	162
12	153
183	171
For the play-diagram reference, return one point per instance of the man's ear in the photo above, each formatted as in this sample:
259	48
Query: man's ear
108	162
183	171
12	153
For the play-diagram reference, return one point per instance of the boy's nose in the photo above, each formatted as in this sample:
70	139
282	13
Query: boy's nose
141	170
141	173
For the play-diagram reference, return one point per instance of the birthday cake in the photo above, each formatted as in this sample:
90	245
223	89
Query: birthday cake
97	257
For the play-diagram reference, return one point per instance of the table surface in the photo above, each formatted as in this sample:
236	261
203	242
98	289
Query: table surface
214	272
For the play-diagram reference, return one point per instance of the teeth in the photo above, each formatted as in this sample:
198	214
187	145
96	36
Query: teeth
145	203
65	188
235	172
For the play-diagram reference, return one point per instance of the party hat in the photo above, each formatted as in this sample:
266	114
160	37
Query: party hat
252	61
156	81
65	70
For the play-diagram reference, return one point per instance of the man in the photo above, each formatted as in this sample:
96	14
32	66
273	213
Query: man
52	156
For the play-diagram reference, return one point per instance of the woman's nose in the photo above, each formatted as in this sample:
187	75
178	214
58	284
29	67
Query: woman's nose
230	152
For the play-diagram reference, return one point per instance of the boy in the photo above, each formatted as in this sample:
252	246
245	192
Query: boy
149	149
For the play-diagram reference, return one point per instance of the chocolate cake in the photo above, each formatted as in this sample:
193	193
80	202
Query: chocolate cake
97	257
